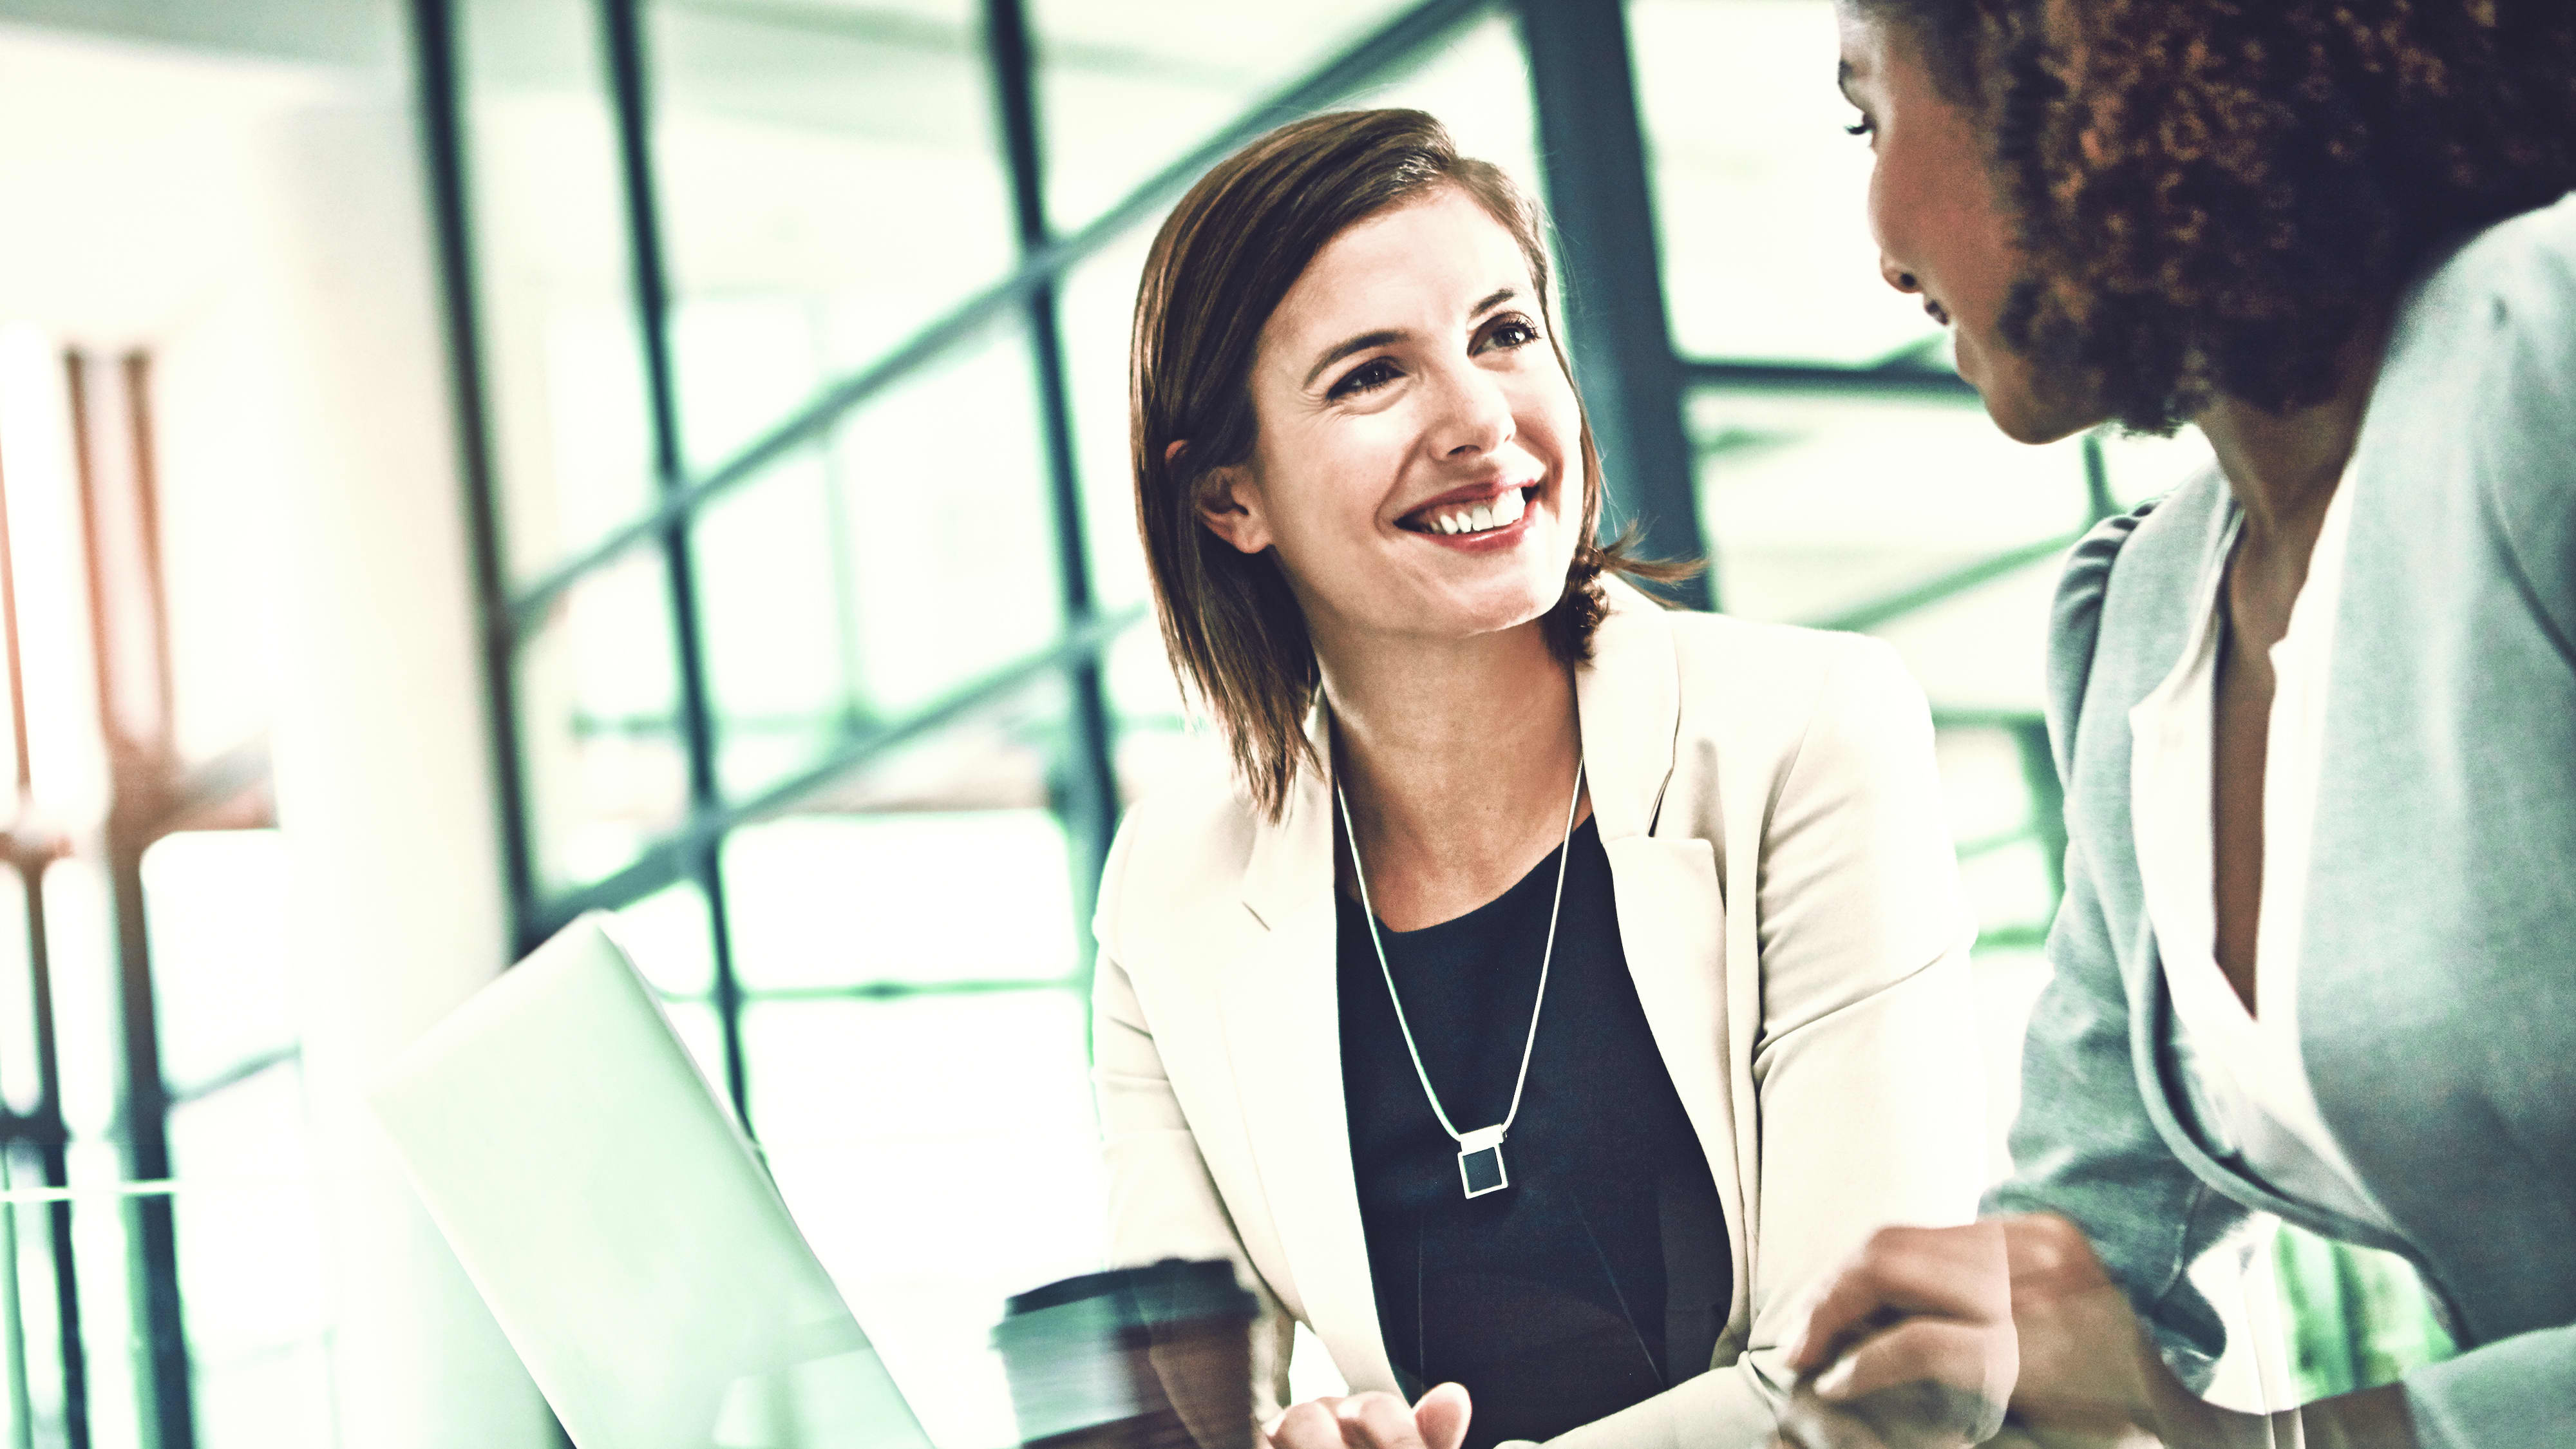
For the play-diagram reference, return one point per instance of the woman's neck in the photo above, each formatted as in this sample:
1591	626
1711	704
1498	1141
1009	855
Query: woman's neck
1457	757
2283	467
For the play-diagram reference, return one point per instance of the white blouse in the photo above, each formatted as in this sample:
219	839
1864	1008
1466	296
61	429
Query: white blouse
2247	1064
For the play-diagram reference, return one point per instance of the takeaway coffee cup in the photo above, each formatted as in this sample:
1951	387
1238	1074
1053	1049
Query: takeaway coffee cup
1158	1357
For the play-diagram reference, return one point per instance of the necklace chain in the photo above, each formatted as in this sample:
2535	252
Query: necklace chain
1565	851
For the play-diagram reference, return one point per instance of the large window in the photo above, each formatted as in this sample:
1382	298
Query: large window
160	1280
792	340
796	336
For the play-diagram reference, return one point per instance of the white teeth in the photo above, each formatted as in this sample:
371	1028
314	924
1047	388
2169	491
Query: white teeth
1500	512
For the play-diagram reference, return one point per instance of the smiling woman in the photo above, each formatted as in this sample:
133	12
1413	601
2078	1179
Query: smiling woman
1468	1019
1350	335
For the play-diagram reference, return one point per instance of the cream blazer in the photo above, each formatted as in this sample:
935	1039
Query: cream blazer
1789	904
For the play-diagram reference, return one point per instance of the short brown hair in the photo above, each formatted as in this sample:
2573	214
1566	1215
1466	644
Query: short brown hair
1223	260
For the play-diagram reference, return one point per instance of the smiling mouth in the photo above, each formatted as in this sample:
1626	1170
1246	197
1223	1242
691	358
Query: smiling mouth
1936	312
1488	515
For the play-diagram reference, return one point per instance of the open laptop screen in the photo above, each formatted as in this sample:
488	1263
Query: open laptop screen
614	1218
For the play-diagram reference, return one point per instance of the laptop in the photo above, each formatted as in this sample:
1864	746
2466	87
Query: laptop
617	1222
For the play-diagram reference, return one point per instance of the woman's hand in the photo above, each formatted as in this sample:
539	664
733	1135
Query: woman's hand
1374	1421
1929	1333
2088	1369
1911	1344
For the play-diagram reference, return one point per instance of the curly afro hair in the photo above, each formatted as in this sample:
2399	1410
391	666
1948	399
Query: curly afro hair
2215	196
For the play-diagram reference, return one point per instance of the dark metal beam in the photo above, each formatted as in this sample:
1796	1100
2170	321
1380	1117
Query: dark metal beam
1415	30
26	862
1602	202
113	456
622	28
1088	790
440	91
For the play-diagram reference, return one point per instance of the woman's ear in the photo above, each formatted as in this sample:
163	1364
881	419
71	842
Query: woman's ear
1229	503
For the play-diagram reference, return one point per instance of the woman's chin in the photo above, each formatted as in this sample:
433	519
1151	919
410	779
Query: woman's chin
2019	406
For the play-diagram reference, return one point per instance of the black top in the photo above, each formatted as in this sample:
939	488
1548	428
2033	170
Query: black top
1601	1275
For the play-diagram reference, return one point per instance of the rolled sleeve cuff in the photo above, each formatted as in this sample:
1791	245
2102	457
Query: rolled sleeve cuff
2516	1393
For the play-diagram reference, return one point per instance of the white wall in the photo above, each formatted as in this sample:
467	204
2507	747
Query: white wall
383	770
261	227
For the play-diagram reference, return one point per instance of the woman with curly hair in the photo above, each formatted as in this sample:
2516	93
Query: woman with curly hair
2315	711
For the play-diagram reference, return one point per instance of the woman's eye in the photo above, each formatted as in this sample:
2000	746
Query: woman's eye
1511	332
1375	373
1862	127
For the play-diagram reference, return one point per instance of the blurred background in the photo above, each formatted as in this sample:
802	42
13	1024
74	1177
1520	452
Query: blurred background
468	462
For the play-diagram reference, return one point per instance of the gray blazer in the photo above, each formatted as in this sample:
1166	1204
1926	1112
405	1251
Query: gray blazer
2437	987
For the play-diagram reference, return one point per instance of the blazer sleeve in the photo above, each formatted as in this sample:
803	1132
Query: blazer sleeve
2082	1144
1868	1075
1162	1201
2520	1392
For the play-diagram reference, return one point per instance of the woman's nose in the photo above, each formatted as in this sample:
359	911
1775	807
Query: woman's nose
1477	417
1897	277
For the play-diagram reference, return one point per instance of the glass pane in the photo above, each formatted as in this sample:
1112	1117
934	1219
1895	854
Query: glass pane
219	540
563	367
829	184
81	952
1128	89
1094	311
959	1127
27	1236
103	1251
46	553
281	1400
775	609
1478	84
215	904
820	902
1759	195
1816	508
604	758
670	938
861	585
251	1286
20	1081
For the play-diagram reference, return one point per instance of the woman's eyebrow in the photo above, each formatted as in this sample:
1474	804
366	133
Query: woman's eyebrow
1381	338
1361	343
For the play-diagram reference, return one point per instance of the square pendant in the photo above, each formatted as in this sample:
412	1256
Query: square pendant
1480	1162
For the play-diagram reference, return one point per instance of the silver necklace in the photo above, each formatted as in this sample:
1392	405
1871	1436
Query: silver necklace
1480	1153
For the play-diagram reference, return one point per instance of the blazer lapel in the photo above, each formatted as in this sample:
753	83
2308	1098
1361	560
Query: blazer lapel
1672	913
1283	1030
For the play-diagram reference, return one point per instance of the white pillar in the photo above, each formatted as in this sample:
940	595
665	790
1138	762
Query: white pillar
384	781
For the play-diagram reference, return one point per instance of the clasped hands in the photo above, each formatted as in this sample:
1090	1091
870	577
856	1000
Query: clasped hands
1933	1338
1438	1420
1930	1338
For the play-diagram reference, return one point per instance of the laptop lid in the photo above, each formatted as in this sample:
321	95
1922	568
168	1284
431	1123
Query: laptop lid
615	1219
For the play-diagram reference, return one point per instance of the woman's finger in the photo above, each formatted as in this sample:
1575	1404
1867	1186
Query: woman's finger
1956	1273
1310	1425
1377	1421
1969	1357
1807	1422
1440	1416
